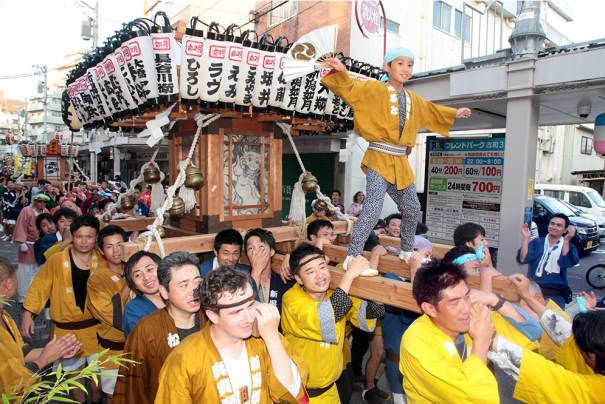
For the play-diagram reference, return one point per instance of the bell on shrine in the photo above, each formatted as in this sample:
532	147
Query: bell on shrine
161	231
320	205
194	178
178	207
309	183
106	218
151	175
127	203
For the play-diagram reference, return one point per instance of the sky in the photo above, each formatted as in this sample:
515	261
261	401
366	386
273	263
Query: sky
43	31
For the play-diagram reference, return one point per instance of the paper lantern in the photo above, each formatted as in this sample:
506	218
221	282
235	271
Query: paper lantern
59	136
75	148
291	94
307	93
247	74
34	149
68	112
278	87
42	149
164	57
125	80
233	61
263	81
599	134
141	52
191	64
213	67
100	103
64	149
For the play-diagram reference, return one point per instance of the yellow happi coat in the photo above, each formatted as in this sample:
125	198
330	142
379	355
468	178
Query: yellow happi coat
542	381
56	248
546	346
13	372
570	357
310	327
434	373
106	305
377	120
194	371
54	282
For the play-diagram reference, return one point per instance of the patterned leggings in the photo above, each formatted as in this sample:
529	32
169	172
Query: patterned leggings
407	203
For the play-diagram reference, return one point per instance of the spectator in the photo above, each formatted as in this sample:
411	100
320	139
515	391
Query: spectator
317	214
228	246
357	205
53	194
337	204
121	184
146	196
103	186
141	209
10	198
45	225
25	234
549	257
95	197
56	242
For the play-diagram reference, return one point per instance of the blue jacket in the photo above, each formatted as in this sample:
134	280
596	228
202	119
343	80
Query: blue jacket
206	267
552	281
135	310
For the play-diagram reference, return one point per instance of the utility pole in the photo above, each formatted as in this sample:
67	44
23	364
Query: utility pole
44	70
25	119
94	20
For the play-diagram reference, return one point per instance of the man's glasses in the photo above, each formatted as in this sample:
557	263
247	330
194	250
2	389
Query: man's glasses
41	201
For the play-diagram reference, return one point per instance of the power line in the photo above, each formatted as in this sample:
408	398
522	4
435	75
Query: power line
24	75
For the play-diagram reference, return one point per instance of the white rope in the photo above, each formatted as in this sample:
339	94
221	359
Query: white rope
82	172
133	183
286	129
202	121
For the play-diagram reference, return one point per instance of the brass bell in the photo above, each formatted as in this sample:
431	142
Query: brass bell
178	206
106	218
161	231
320	205
151	175
127	203
194	178
309	183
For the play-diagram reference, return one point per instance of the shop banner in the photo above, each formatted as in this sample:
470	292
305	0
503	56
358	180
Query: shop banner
464	185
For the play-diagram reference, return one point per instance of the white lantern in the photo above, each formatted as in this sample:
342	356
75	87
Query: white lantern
278	87
192	50
213	67
599	134
164	58
291	93
233	61
92	74
263	81
247	75
141	51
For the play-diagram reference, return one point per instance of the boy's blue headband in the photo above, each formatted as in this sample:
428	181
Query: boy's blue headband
393	54
478	255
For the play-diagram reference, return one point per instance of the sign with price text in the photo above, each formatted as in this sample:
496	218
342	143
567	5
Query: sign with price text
464	184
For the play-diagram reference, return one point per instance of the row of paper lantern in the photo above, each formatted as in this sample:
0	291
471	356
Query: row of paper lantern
136	71
40	149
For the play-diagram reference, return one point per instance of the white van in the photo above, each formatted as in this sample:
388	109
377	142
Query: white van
586	199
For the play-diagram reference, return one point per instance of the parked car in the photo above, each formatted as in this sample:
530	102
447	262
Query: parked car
587	235
584	198
599	221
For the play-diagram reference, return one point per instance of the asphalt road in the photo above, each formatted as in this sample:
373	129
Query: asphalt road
577	275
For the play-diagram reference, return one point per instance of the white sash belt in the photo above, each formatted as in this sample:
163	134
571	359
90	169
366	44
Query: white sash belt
388	148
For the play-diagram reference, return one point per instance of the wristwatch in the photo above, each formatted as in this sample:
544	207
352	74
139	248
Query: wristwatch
500	303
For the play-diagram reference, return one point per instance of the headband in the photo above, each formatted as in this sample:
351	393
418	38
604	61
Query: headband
314	257
478	255
393	54
228	306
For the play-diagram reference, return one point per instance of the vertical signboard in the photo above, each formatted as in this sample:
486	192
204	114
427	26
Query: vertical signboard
464	184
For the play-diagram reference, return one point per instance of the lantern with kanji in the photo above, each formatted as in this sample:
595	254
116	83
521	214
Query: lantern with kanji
34	149
59	136
75	148
42	148
64	149
10	139
23	149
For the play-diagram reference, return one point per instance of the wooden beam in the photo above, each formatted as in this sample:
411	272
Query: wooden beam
439	250
391	264
375	288
129	225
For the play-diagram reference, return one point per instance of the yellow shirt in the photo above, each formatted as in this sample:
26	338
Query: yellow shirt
13	373
377	120
542	381
570	357
54	282
310	328
106	305
433	371
312	218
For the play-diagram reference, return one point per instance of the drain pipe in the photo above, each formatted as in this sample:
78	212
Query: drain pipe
528	35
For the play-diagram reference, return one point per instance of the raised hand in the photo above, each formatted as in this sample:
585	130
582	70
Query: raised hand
267	319
525	231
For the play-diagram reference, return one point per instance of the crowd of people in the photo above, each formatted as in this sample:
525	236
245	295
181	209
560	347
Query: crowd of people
274	330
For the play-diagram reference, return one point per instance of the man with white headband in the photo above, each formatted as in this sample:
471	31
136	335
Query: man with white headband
388	116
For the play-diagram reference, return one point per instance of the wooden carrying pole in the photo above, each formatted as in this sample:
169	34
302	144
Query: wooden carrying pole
379	289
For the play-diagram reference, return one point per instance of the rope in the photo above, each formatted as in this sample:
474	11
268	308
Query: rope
82	172
286	129
202	121
134	182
